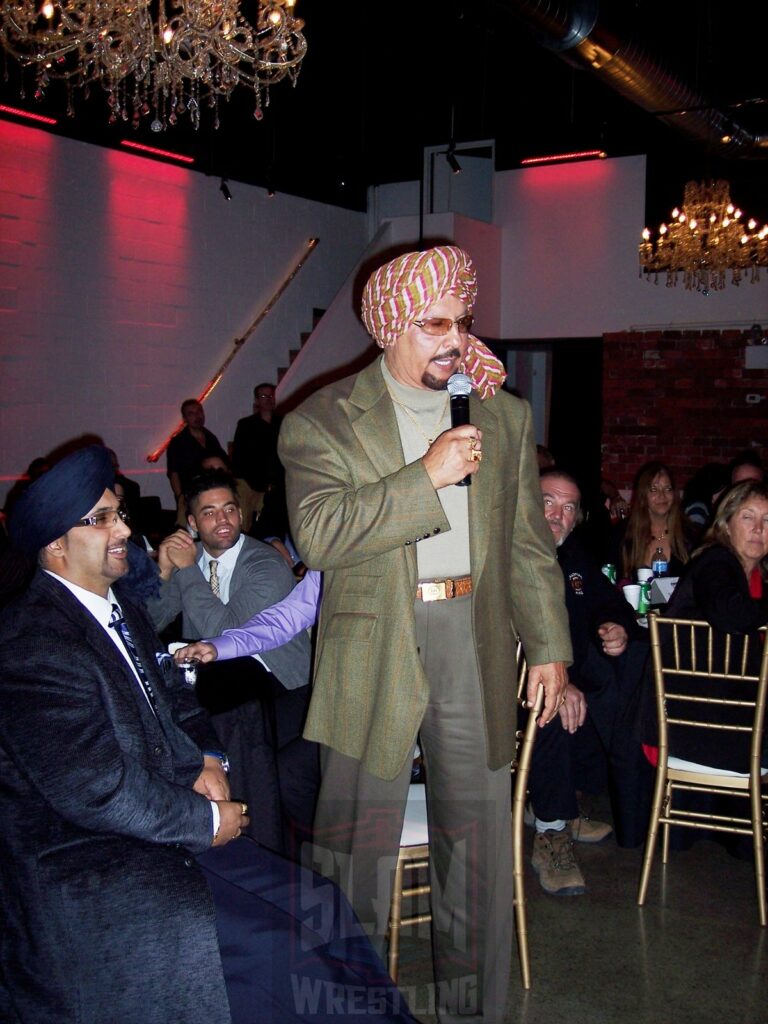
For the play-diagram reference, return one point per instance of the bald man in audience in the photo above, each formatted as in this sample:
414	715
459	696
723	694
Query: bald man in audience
608	657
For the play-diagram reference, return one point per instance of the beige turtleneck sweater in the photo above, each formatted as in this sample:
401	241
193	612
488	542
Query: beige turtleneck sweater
421	416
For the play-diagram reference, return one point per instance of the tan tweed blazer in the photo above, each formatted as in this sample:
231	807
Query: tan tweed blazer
357	512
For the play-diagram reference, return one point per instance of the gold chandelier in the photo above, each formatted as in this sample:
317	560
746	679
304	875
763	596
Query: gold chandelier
167	58
704	240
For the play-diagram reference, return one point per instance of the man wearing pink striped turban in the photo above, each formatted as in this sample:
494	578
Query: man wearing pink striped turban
427	585
401	291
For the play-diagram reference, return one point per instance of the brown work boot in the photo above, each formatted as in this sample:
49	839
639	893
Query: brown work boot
585	830
554	862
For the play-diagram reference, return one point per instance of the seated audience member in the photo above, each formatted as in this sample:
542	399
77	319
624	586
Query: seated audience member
131	493
258	706
189	447
724	584
746	466
574	753
137	536
128	895
250	502
701	493
655	521
705	489
544	457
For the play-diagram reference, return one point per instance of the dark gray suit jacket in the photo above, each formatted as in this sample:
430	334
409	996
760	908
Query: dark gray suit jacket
108	917
261	577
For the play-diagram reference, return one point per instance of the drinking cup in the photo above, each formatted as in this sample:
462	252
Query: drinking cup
632	594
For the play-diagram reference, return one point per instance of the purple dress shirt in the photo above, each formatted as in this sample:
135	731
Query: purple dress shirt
275	625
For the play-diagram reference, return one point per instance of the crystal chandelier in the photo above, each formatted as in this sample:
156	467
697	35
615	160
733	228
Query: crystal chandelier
704	240
164	58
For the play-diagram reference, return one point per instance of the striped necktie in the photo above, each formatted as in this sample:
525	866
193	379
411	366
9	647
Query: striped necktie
118	623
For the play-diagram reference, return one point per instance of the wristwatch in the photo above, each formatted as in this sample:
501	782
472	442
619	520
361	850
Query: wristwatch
221	756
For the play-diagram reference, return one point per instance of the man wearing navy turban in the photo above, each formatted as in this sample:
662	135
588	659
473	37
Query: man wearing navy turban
129	897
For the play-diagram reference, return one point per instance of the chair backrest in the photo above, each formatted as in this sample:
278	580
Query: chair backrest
711	682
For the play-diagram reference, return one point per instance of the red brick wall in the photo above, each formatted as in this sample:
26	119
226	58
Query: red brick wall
678	396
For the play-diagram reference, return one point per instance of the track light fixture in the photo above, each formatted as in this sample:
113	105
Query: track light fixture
453	163
224	189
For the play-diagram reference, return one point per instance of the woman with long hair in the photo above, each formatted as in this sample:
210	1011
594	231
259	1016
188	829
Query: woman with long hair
725	584
735	601
655	521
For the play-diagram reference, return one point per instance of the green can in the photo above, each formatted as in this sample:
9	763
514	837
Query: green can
609	570
644	604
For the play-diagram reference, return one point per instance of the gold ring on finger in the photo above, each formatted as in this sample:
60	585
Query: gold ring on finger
243	808
475	455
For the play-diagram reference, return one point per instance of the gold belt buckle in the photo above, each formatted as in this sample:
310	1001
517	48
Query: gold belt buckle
433	591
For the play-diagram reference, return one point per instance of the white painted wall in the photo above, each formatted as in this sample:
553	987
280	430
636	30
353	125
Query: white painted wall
123	283
570	266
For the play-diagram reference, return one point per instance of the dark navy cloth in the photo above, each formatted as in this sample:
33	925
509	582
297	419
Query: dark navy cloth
291	946
53	503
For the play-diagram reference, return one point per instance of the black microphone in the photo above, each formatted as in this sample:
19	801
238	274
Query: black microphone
459	388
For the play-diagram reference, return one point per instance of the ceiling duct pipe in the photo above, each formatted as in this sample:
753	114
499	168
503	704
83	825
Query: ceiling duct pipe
580	36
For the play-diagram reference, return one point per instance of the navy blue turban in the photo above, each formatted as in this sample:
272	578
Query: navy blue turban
59	498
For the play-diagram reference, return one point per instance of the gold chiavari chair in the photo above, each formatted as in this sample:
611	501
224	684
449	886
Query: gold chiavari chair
521	768
708	681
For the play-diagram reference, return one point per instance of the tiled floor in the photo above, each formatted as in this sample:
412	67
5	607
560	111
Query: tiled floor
695	954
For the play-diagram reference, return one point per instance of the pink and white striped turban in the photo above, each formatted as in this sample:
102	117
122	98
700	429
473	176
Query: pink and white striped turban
404	289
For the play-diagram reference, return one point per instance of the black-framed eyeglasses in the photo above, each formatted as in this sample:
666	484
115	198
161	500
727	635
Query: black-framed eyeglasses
107	519
438	326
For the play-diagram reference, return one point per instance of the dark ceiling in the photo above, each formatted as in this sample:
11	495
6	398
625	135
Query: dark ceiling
381	80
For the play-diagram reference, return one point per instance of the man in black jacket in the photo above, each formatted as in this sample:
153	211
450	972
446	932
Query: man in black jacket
574	754
125	897
254	449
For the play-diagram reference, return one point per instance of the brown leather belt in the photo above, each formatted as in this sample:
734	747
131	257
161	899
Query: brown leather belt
443	590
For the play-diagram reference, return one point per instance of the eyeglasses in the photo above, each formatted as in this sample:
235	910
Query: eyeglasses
438	326
107	519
